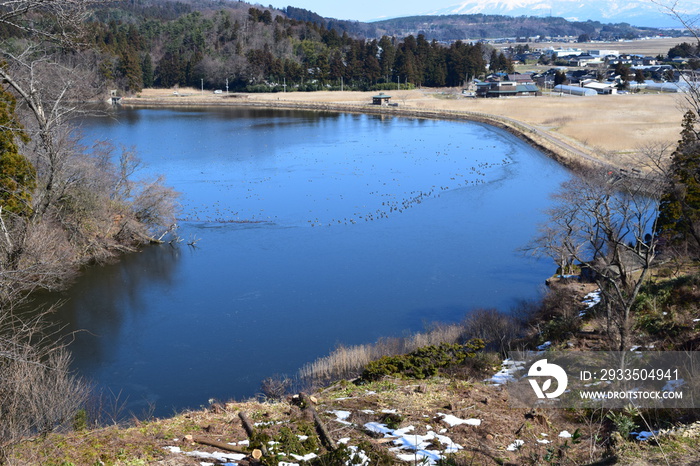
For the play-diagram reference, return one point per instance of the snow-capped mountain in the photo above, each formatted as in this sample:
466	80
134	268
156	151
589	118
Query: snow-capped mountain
635	12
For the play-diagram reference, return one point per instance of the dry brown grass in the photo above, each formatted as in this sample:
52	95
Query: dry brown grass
348	361
604	125
651	47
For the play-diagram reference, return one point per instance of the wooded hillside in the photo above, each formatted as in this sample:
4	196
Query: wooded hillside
170	44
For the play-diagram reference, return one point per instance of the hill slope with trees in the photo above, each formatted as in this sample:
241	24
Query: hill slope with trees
213	44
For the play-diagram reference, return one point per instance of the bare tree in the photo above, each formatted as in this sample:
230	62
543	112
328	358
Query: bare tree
86	204
606	224
674	9
38	393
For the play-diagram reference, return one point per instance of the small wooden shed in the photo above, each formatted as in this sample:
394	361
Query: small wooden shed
381	99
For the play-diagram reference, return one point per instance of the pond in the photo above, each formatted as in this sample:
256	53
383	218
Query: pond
313	230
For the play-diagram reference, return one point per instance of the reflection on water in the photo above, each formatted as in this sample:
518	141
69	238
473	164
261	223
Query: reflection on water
314	229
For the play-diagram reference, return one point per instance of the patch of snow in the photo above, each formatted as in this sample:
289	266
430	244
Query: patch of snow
515	445
420	456
378	428
591	299
564	434
672	385
644	435
307	457
388	411
344	415
455	421
505	375
358	458
544	345
218	456
416	443
344	440
544	440
341	416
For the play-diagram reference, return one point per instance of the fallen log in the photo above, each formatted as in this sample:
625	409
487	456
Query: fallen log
248	427
326	439
221	445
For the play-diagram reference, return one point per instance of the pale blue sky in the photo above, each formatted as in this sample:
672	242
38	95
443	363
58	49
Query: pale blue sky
364	10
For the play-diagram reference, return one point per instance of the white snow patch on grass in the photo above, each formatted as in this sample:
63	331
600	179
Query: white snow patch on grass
505	375
515	445
415	443
455	421
218	456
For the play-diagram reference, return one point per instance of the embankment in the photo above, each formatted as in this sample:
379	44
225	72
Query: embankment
558	149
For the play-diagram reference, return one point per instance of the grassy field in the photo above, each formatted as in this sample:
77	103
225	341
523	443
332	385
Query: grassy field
651	47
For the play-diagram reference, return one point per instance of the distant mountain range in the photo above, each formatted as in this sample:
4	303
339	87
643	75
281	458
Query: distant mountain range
490	19
634	12
482	26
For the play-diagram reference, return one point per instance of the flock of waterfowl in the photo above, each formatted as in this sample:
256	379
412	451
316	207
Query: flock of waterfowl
330	190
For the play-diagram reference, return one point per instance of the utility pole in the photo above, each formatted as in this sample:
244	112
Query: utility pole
202	86
226	86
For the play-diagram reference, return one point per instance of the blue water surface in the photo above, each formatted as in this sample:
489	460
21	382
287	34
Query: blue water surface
313	230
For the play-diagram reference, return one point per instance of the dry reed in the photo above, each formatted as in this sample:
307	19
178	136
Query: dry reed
347	362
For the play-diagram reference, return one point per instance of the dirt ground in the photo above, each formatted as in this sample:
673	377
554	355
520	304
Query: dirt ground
469	422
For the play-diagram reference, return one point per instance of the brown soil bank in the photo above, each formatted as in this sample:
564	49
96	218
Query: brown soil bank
611	130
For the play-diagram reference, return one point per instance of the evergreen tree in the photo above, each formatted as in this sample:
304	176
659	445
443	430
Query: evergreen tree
387	57
130	67
17	174
679	209
559	78
147	70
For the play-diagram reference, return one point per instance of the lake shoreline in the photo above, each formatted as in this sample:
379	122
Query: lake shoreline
556	148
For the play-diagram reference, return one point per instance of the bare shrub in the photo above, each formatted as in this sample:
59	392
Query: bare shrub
275	387
557	316
38	392
498	329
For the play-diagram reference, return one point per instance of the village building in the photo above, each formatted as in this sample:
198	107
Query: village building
520	78
586	60
574	90
601	88
381	99
506	89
